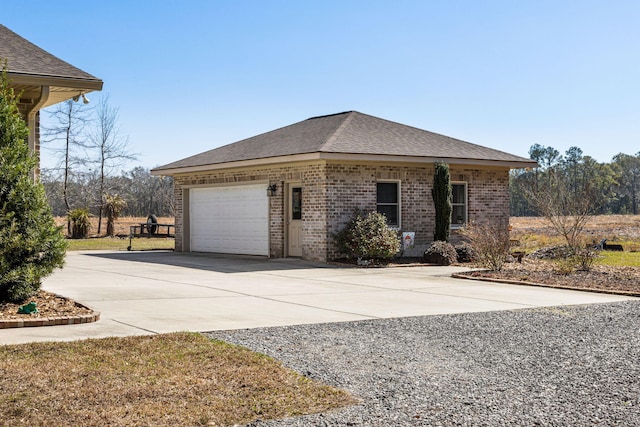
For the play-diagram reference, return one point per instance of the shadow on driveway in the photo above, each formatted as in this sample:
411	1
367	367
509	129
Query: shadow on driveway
221	263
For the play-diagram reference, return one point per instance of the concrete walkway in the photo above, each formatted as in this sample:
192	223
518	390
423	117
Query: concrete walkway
141	293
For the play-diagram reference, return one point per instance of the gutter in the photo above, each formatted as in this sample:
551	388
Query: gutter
170	171
66	82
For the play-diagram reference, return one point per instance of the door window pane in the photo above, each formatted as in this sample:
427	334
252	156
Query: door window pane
296	203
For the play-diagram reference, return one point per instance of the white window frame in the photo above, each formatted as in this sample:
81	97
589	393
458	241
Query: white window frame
399	204
465	204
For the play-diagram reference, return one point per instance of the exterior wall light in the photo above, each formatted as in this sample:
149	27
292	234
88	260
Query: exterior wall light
271	190
76	98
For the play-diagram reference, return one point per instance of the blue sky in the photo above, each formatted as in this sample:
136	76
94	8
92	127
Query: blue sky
189	76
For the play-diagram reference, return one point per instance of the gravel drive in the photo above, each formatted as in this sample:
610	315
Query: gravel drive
556	366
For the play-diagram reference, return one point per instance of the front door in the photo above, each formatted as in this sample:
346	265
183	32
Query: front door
294	221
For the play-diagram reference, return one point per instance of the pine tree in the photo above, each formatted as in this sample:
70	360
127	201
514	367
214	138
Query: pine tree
31	246
441	194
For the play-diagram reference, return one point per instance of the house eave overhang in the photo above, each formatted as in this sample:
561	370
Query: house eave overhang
30	86
306	157
57	81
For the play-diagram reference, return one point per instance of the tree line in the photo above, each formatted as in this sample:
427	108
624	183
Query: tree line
144	193
90	151
574	178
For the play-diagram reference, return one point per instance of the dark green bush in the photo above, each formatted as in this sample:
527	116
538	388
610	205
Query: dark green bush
31	246
441	253
441	193
368	236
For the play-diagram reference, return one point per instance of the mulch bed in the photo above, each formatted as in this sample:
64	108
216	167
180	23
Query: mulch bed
624	280
52	310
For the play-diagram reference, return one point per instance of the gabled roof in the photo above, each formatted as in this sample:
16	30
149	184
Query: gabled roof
30	66
348	135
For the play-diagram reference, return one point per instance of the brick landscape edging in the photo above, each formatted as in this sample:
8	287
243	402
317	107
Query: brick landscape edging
94	316
544	285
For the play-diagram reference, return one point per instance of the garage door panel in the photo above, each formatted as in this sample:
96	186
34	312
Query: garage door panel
231	219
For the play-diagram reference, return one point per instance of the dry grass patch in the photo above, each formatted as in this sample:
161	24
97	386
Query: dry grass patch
612	227
162	380
121	244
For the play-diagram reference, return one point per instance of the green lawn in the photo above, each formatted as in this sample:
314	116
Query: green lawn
120	244
619	259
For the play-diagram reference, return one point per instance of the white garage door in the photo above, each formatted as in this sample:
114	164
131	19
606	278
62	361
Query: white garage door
232	220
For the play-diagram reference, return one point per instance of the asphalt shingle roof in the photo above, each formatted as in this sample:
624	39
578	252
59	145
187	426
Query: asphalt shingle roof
347	133
24	57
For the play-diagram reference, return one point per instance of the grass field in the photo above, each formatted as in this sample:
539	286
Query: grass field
163	380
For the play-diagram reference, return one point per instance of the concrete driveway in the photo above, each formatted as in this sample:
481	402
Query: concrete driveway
140	293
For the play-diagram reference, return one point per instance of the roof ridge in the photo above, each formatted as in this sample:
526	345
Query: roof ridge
330	115
334	136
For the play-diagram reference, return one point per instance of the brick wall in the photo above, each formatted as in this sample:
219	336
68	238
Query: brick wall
311	175
332	190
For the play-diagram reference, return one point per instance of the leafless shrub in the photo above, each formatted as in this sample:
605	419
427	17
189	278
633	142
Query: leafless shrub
490	242
568	212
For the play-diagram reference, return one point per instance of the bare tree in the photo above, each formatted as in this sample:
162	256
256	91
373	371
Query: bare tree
567	210
64	137
109	148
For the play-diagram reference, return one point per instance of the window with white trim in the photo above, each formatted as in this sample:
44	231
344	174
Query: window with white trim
388	202
458	204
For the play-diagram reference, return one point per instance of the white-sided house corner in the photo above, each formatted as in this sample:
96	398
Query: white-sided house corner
285	193
41	79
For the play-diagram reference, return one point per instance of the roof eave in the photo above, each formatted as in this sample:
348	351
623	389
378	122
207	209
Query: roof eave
59	81
171	171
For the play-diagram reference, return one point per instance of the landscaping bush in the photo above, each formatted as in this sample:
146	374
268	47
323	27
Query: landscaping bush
441	253
584	258
31	246
490	243
465	252
80	223
368	236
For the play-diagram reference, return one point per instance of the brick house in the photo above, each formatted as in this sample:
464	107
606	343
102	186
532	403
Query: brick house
285	193
41	80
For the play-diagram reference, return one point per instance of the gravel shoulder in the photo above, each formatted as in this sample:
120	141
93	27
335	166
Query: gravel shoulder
557	366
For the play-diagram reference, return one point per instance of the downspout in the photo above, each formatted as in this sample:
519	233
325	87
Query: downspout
32	123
